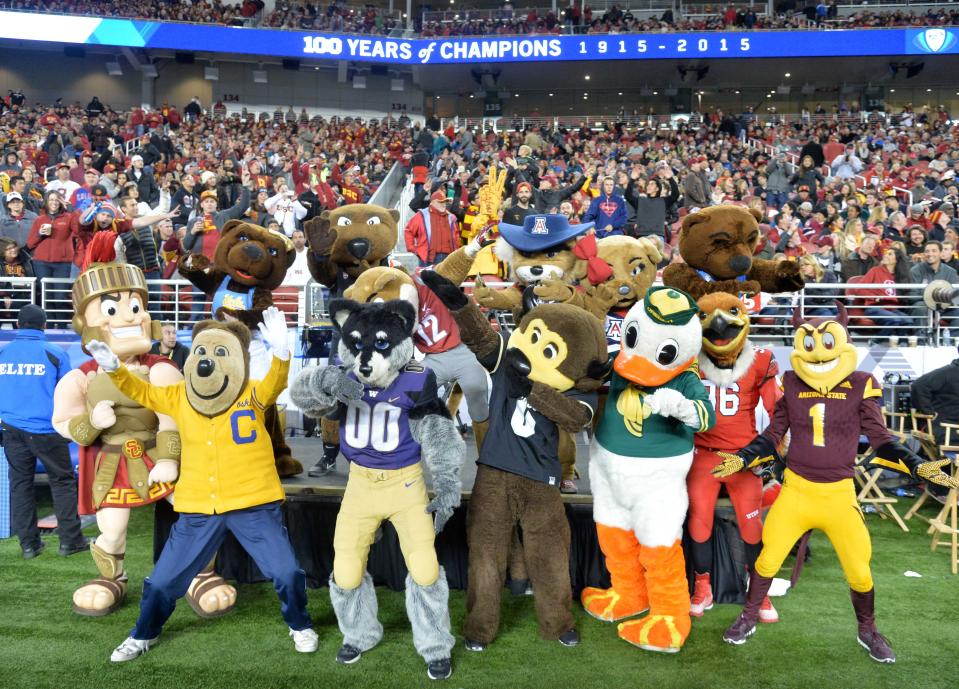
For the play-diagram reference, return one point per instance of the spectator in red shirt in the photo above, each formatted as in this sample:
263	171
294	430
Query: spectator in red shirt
349	190
882	306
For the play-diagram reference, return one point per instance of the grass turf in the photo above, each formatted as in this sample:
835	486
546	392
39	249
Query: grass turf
44	644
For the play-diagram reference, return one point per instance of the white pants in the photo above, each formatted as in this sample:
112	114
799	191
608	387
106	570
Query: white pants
646	495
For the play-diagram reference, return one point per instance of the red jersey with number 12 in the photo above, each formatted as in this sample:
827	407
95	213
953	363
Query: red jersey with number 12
736	403
436	331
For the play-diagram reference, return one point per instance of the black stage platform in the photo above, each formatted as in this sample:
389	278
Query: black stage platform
312	505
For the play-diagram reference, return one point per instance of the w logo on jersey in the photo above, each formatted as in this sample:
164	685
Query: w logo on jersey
539	226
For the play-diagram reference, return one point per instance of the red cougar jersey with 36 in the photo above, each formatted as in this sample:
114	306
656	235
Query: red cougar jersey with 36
736	403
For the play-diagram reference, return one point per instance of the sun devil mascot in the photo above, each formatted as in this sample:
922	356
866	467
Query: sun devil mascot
826	405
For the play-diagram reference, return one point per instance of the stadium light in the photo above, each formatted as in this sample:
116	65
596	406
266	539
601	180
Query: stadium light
114	69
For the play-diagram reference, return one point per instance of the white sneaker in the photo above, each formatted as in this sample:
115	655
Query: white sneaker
130	649
305	640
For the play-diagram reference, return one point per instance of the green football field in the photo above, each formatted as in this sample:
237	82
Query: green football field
44	644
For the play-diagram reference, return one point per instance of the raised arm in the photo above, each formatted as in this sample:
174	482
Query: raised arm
475	330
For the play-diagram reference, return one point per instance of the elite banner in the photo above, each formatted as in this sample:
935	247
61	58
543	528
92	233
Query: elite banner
381	49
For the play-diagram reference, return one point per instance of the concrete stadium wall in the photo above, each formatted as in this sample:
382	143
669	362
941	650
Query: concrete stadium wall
45	76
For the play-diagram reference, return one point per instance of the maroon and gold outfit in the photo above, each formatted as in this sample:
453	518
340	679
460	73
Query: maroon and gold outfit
123	444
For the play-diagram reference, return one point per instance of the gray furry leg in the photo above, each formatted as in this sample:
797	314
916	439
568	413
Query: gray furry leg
429	613
356	613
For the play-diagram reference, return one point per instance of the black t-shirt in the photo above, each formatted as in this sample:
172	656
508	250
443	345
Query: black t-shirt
520	440
515	215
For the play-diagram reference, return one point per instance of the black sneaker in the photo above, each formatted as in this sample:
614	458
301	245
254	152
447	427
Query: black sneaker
348	654
68	549
569	638
520	587
327	462
878	646
439	669
474	646
31	551
739	631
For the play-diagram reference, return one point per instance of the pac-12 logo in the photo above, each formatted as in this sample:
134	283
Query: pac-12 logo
322	45
934	40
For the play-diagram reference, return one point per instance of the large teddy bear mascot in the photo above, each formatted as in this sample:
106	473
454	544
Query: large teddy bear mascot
391	424
556	354
129	455
228	480
249	262
826	406
717	245
738	377
639	459
343	243
633	264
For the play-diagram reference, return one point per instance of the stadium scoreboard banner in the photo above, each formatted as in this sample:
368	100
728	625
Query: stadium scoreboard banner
382	49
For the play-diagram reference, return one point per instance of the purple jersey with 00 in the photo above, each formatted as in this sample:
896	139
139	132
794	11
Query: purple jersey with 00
375	431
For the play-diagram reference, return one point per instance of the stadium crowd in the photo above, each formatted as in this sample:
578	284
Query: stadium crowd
200	11
615	20
869	195
338	16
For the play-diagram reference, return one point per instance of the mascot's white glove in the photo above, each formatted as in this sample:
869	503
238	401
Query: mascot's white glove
102	415
103	355
479	242
672	403
274	331
164	471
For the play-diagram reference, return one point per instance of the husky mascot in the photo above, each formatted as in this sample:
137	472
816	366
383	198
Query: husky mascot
390	419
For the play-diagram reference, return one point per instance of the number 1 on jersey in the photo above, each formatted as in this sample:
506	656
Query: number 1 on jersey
818	414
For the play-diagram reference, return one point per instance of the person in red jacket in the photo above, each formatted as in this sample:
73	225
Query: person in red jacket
432	233
51	238
882	305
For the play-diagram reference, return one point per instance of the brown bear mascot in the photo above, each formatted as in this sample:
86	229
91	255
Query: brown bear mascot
717	245
343	244
248	264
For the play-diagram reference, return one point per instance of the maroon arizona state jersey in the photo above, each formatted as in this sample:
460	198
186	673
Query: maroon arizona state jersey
825	429
735	404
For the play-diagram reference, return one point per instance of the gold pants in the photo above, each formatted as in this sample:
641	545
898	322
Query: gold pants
375	495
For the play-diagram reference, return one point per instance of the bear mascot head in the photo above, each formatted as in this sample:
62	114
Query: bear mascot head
717	244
